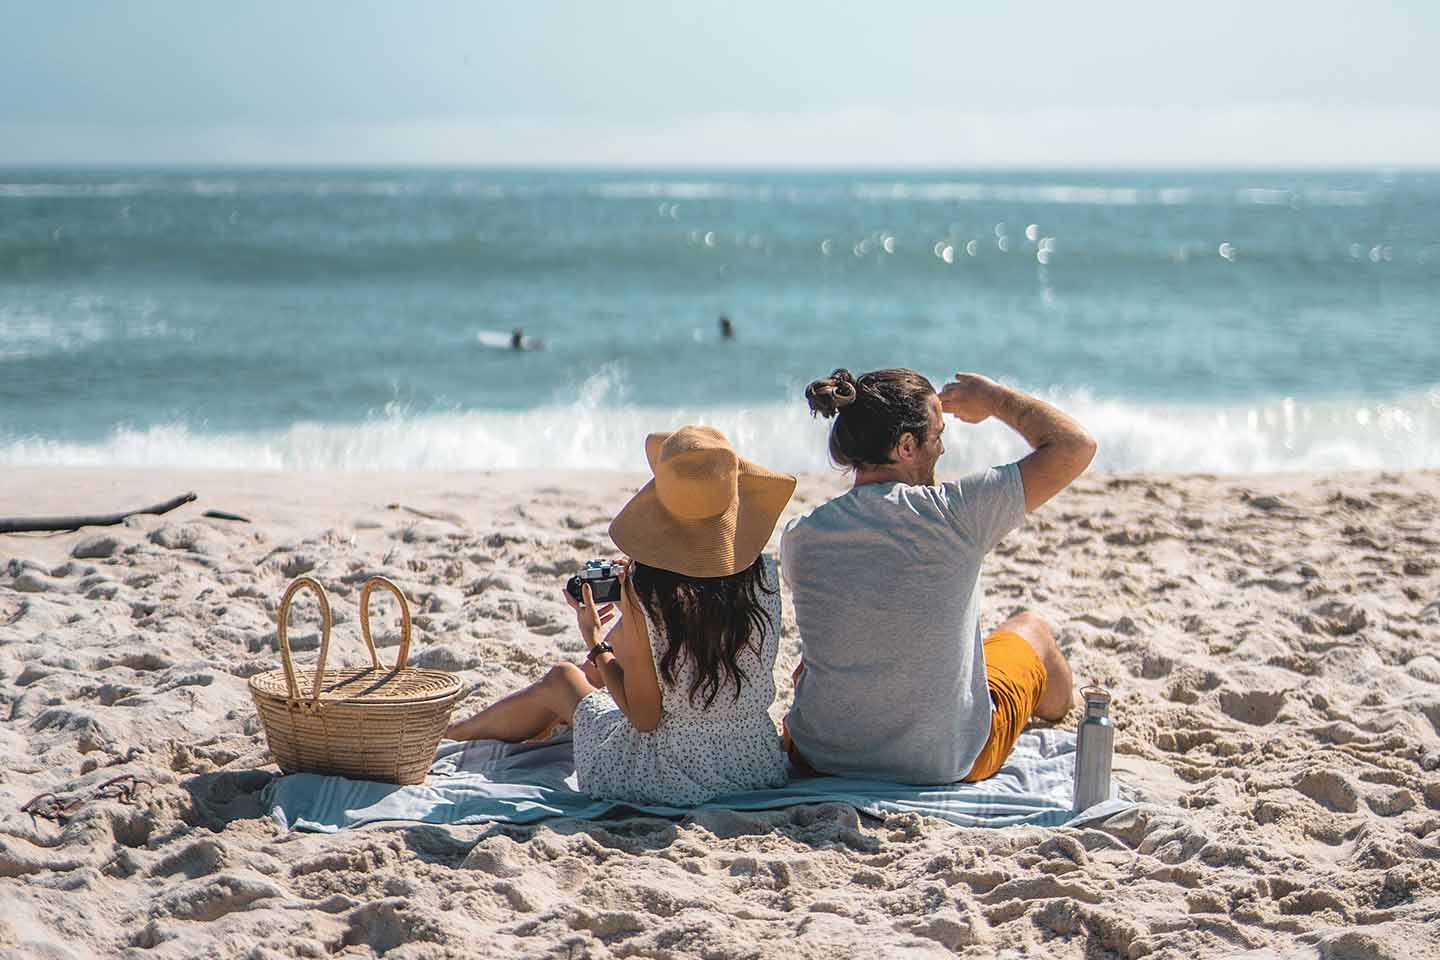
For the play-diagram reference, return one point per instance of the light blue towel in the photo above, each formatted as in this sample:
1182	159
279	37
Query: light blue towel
488	782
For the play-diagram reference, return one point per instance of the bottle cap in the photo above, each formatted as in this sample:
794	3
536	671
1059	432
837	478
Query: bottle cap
1097	701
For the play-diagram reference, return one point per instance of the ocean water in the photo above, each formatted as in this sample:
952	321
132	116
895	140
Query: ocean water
1208	321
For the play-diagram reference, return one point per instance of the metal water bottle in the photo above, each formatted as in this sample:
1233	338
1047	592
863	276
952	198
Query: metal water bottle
1094	747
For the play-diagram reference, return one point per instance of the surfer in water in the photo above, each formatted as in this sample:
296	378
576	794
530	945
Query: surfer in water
517	340
727	329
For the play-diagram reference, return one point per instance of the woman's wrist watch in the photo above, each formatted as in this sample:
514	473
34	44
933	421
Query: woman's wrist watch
602	647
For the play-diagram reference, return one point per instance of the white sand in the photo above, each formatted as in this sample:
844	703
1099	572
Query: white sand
1273	645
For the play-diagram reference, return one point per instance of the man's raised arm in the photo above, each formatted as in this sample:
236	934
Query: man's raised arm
1063	449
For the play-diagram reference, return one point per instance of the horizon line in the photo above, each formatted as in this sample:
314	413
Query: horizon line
776	167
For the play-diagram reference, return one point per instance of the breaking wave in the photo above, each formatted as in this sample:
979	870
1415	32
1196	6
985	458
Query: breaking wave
1284	435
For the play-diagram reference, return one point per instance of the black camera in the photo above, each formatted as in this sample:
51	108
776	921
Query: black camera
604	583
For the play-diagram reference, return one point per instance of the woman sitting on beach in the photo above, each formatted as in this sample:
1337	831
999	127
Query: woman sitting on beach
677	710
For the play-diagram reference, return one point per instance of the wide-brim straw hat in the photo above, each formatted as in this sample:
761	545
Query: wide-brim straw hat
707	513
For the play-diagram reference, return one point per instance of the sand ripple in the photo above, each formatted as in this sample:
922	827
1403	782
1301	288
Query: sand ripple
1273	645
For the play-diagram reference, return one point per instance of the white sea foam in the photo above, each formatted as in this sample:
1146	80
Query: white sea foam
1033	193
678	190
26	333
214	187
1282	436
61	191
949	191
1337	198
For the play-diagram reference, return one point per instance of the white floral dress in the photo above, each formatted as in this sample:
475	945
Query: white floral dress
696	752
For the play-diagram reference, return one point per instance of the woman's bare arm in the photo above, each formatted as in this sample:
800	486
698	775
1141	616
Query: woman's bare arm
629	673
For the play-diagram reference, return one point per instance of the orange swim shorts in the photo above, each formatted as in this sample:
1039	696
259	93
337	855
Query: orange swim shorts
1017	678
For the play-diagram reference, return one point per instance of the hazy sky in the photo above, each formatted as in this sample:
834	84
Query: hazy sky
649	83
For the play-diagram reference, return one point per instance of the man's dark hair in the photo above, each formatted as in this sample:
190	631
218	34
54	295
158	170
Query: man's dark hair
872	412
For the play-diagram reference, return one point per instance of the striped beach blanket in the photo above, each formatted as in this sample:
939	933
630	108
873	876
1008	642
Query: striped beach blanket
489	782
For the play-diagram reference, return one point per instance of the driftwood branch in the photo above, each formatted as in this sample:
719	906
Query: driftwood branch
446	516
30	524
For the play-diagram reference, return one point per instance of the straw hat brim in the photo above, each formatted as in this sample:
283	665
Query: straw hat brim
717	546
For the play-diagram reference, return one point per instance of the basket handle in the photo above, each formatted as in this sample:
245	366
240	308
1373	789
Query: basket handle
380	583
298	584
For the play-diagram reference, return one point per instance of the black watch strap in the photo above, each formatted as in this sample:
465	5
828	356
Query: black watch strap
602	647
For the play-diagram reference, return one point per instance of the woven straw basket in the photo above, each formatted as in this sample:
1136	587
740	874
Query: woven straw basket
370	723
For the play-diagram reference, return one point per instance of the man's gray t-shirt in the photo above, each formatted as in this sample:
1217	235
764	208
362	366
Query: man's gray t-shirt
886	586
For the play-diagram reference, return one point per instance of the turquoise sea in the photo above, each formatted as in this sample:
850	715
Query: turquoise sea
1211	321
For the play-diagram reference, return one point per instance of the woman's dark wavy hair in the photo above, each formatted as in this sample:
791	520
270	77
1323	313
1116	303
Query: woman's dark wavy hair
709	621
872	412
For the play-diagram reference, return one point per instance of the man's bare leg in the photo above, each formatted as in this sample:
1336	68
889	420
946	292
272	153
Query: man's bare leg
1059	693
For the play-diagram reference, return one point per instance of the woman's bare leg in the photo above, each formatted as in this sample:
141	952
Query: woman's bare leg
530	711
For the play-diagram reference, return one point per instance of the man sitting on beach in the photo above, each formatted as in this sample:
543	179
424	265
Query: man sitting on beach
895	682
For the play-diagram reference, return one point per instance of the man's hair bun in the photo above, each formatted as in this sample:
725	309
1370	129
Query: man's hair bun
880	407
829	395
